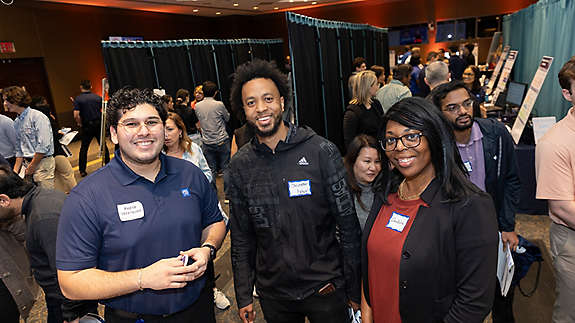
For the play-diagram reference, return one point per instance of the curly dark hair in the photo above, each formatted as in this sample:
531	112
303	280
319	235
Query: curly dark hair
127	99
11	184
252	70
17	95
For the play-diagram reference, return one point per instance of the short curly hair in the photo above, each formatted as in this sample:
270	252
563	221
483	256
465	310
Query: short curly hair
17	95
257	69
127	99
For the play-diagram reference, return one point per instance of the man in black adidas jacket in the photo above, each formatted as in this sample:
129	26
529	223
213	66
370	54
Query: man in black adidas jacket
288	197
486	149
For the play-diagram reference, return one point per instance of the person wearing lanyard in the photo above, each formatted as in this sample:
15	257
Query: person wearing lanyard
138	233
34	142
429	246
488	153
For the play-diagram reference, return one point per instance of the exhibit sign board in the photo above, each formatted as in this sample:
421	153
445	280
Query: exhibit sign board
505	74
497	69
530	98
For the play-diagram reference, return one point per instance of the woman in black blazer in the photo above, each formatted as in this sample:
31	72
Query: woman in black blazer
429	247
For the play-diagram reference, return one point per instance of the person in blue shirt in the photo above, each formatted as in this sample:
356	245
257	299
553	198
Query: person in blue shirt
7	139
34	142
126	230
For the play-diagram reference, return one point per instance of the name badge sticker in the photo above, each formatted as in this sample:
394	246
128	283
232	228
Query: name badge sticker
299	188
397	222
468	166
131	211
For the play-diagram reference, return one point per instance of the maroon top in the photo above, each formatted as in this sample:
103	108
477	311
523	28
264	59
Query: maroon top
384	247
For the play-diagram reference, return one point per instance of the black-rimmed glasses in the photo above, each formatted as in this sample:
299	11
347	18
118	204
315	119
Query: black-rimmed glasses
455	106
411	140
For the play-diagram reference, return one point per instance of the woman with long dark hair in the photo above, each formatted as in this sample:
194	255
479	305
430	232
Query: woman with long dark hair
363	164
471	76
429	246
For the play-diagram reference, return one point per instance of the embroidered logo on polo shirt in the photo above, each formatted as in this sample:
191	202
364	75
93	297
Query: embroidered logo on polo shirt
303	162
185	192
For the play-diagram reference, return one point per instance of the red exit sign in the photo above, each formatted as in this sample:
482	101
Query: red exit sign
7	47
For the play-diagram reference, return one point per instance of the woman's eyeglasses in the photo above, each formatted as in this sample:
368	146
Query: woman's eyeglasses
411	140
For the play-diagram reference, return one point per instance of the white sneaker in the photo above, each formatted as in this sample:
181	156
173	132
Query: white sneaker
255	293
221	300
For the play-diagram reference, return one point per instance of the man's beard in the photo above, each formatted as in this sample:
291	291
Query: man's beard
459	127
269	133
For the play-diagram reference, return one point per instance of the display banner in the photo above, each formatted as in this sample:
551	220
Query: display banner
530	98
505	74
497	69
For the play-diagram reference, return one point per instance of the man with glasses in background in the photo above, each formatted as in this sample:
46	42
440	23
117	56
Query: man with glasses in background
139	232
486	149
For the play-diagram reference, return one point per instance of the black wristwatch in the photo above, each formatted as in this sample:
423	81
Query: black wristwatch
213	250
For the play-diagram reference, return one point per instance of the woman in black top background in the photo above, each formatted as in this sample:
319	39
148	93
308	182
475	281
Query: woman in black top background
363	115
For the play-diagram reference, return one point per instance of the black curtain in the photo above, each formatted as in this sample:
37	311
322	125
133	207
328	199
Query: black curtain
243	53
173	66
204	66
306	71
332	85
129	67
322	65
346	61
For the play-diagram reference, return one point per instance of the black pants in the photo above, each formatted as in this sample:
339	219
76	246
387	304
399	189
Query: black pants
201	311
56	312
502	311
89	130
8	308
330	308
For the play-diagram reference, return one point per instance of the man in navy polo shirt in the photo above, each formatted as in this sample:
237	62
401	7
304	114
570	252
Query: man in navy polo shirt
125	231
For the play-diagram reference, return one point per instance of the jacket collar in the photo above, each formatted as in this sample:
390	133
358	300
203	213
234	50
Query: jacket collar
27	202
432	189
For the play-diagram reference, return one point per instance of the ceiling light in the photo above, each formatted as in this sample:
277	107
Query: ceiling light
276	8
315	2
236	4
256	7
195	10
218	13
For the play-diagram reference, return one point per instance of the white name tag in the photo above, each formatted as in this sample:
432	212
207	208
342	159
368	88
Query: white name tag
468	166
299	188
397	222
131	211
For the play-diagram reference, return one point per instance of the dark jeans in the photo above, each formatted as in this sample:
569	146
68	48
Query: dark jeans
54	309
330	308
89	130
201	311
8	308
217	156
502	311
